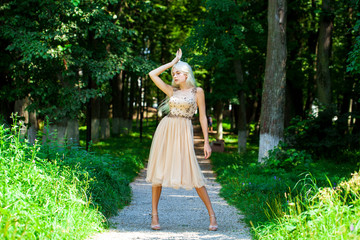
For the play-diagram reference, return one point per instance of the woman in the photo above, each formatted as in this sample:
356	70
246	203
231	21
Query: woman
172	159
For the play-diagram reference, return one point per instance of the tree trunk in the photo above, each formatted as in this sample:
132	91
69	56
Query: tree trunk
55	133
95	119
28	120
242	134
72	132
33	127
219	119
141	104
125	123
132	97
273	96
104	119
60	129
117	103
323	80
22	114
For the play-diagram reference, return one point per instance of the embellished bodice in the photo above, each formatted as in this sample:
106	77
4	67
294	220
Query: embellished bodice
183	103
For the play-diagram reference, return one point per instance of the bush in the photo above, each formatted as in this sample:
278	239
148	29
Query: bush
261	191
250	186
39	199
288	159
326	135
109	176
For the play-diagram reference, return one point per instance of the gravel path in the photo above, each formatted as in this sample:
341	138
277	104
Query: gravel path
182	214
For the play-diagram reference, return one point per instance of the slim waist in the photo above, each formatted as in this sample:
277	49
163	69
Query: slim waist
178	116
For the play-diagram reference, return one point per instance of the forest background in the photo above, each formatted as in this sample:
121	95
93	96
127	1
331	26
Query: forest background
85	63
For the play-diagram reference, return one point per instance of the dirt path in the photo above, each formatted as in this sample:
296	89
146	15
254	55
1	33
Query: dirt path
182	214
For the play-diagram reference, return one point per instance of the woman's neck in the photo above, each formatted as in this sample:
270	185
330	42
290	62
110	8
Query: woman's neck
183	86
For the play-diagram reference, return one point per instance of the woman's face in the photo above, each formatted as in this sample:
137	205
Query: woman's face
179	77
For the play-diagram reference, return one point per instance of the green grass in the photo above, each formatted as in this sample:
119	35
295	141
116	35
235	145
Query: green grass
39	199
332	213
65	192
283	200
119	160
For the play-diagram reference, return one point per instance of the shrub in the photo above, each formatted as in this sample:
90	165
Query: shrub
261	191
288	158
39	199
326	135
109	176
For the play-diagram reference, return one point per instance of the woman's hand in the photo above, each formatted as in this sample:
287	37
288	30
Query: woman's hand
207	150
178	56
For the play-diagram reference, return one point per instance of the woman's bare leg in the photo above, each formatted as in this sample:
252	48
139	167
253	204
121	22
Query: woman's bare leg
205	198
156	192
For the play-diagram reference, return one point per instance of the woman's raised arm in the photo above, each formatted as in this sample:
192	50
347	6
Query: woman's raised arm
154	74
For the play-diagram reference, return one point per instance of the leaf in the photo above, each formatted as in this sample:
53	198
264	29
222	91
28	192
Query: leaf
75	2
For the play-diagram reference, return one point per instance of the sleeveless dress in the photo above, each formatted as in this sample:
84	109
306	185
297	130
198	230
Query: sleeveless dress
172	160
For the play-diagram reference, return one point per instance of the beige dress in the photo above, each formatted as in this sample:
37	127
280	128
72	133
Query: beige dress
172	160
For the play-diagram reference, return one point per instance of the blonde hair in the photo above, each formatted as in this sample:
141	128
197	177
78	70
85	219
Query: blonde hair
185	68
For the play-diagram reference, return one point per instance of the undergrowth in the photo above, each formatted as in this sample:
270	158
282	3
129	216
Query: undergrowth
329	213
40	199
281	199
63	192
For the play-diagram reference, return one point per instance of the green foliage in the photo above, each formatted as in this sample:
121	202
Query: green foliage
265	192
54	48
110	171
286	158
249	186
354	55
326	135
52	192
39	199
333	212
110	177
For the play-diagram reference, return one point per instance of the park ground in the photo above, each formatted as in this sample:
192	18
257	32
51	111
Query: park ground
300	198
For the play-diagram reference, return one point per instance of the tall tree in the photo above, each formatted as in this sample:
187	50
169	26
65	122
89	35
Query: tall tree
273	97
323	80
242	129
219	43
51	58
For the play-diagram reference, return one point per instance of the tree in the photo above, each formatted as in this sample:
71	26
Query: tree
323	80
273	97
219	44
55	47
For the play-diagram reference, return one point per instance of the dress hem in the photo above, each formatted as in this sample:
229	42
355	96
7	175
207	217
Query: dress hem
174	186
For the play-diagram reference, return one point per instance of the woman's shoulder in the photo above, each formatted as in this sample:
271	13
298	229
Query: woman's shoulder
199	90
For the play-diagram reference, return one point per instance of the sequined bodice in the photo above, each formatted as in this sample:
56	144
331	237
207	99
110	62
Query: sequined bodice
183	103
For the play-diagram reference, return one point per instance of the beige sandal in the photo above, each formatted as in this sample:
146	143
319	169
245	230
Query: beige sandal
213	227
157	226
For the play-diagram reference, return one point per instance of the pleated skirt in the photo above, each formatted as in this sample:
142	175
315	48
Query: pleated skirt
172	160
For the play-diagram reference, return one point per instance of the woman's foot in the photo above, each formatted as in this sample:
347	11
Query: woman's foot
155	222
213	224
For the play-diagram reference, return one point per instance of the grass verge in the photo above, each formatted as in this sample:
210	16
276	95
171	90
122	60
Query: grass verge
53	192
293	197
39	199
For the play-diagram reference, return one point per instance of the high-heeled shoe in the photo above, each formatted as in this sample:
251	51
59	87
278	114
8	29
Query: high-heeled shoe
213	227
156	226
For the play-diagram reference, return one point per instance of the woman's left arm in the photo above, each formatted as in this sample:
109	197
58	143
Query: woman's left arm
200	99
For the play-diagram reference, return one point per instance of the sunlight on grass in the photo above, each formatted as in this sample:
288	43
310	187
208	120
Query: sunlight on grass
332	211
288	204
101	144
39	198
